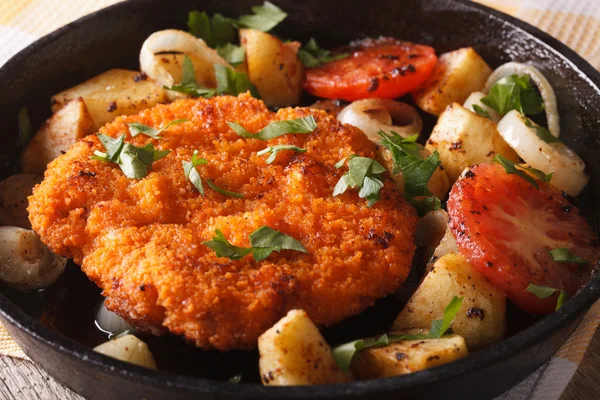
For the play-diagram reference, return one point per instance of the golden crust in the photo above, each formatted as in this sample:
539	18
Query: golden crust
140	240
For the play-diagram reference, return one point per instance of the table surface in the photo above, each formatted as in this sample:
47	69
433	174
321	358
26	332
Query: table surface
23	380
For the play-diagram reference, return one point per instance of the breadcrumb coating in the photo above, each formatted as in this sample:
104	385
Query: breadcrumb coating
140	240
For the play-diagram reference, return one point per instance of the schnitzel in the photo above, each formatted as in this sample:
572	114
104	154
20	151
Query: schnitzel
140	240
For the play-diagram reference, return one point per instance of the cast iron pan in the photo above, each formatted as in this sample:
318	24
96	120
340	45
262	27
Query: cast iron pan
55	327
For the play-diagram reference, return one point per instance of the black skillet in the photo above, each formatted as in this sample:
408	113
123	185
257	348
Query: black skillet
55	327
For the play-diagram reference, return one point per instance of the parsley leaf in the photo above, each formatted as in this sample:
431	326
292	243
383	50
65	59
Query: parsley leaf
235	379
514	92
233	83
481	111
344	353
25	128
232	53
188	83
223	191
266	240
216	31
278	128
563	296
265	17
190	172
512	167
312	55
228	82
135	162
541	132
408	159
543	292
363	173
276	149
425	204
563	255
223	248
135	128
416	170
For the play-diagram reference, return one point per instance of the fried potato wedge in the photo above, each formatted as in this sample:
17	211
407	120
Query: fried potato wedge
407	356
14	191
293	352
464	138
480	321
56	136
455	76
113	93
273	67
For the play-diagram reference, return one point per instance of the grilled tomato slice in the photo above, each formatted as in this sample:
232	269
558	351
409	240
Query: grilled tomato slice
505	227
382	68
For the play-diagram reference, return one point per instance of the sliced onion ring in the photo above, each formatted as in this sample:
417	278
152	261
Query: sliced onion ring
556	158
175	41
542	84
372	115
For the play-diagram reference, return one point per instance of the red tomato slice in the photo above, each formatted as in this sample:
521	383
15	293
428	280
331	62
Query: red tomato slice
382	68
505	227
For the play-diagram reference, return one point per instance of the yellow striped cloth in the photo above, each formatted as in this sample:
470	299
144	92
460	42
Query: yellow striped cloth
574	22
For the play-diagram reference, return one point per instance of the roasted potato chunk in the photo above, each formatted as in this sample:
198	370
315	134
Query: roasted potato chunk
455	76
14	191
481	319
464	138
293	352
407	356
113	93
56	136
273	67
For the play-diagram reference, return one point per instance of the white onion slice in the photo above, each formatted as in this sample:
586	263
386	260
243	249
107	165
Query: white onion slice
110	322
128	348
557	158
25	262
372	115
475	98
542	84
176	41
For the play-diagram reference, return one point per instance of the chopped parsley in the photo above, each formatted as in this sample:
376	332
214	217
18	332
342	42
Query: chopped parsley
481	111
191	174
273	150
228	82
514	92
543	292
541	132
312	55
416	169
232	53
563	255
524	172
135	162
233	83
363	173
216	31
25	128
344	353
221	246
223	191
263	242
278	128
135	128
264	18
